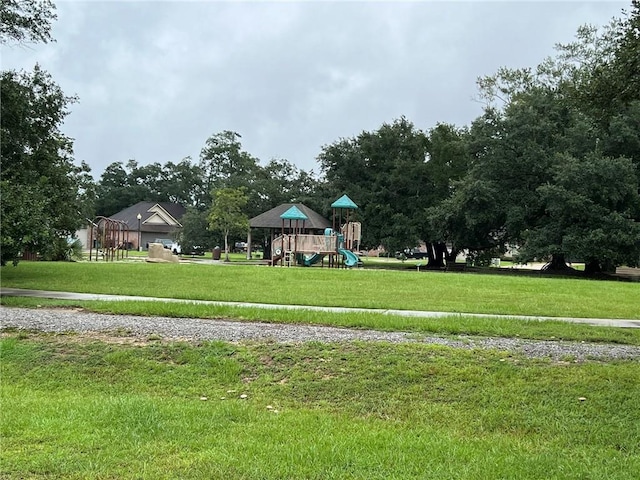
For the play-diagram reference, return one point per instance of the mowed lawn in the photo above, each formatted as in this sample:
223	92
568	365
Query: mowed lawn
411	290
111	406
76	407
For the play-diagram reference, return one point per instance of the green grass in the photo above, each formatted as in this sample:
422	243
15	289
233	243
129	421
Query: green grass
135	255
450	292
458	325
107	407
74	407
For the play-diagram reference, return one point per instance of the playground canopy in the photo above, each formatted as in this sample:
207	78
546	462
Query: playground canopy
294	213
344	202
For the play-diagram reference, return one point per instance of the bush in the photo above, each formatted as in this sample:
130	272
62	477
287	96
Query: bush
64	250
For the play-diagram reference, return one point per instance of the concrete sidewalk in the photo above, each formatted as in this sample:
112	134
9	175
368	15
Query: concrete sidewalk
607	322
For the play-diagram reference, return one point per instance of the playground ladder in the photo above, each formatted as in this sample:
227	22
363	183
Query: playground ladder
288	258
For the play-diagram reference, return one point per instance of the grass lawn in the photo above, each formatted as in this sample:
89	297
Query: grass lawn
76	407
458	325
410	290
114	407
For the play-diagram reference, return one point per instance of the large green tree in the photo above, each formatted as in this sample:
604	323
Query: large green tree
396	175
551	171
448	161
44	196
589	209
226	214
195	233
43	193
122	185
385	173
225	164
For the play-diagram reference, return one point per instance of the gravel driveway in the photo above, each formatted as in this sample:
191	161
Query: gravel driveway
194	329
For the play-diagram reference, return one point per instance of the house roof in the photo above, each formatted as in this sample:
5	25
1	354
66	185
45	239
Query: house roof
154	216
272	218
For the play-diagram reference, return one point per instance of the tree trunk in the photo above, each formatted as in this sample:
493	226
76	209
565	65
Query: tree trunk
435	255
592	266
557	264
450	256
226	246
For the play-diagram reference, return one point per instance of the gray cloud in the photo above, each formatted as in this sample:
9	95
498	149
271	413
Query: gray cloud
156	79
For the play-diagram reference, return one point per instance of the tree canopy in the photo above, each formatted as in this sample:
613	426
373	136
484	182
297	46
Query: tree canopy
552	166
226	214
122	185
553	172
385	174
396	174
25	21
42	190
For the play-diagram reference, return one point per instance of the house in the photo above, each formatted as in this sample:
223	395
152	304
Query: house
147	221
139	224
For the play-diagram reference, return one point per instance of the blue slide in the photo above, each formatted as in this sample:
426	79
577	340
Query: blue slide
350	258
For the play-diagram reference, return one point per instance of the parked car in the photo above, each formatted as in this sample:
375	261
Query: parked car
411	253
195	250
240	247
169	245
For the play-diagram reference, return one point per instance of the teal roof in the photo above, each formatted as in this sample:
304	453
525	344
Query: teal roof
293	213
344	202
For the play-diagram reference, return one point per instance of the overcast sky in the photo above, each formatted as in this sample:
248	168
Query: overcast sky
155	79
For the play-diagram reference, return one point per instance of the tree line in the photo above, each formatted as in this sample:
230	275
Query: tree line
551	167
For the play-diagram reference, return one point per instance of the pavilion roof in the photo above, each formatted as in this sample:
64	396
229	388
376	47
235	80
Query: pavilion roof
272	218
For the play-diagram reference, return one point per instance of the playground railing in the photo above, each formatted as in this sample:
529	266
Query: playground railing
276	246
305	243
316	243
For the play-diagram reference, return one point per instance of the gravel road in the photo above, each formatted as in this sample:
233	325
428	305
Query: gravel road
194	329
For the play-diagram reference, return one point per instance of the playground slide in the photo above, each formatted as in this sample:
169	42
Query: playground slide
350	258
315	258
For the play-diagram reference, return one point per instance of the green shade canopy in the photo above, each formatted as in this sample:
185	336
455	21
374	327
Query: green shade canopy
293	213
344	202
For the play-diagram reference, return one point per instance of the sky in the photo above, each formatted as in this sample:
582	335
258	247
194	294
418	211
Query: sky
155	79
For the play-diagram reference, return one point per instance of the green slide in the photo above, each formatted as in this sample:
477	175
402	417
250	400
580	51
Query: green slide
350	258
315	258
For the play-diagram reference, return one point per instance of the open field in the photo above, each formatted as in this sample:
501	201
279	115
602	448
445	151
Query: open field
110	405
81	407
410	290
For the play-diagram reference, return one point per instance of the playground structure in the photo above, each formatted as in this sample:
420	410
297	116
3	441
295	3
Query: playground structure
295	247
108	237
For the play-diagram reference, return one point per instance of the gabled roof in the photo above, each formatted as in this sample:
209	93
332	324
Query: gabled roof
344	202
155	216
273	219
